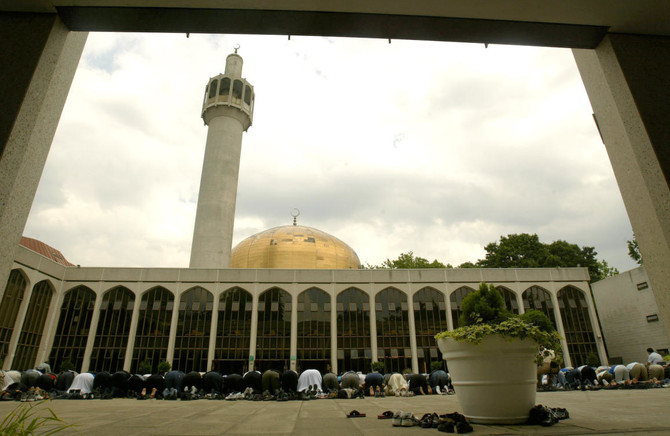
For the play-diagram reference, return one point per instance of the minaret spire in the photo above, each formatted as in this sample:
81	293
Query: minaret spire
227	110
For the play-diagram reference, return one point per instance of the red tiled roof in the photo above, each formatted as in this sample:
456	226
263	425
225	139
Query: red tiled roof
45	250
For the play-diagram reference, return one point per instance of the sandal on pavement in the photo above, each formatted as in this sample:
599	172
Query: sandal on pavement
386	415
355	414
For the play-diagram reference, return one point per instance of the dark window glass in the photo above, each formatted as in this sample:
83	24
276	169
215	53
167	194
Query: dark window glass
212	88
247	100
456	298
577	325
153	328
353	330
314	330
393	328
193	327
33	326
273	343
233	331
237	91
539	299
224	89
9	309
428	320
509	298
72	332
111	338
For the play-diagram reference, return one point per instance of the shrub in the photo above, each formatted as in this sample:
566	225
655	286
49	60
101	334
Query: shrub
483	306
378	367
434	366
592	359
145	367
538	319
67	365
484	314
407	371
164	367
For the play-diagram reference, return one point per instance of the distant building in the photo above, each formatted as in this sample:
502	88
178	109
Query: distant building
629	317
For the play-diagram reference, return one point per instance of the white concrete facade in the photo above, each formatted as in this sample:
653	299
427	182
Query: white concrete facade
256	281
629	316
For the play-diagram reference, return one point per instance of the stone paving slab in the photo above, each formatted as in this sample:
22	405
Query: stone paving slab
601	412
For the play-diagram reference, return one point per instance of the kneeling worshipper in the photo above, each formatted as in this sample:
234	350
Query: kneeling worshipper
308	378
82	383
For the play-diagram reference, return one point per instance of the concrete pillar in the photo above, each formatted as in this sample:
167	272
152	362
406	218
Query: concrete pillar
333	332
212	332
254	329
51	324
38	62
91	333
130	346
519	298
412	331
600	343
373	328
560	329
627	79
18	326
173	329
447	304
293	355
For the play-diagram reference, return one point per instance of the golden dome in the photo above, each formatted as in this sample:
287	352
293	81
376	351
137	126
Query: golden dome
293	246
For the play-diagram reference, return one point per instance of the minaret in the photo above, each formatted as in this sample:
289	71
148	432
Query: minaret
227	110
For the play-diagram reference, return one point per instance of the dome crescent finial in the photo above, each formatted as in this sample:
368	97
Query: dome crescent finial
295	212
237	47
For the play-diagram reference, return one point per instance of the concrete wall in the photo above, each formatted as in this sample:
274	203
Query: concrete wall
623	311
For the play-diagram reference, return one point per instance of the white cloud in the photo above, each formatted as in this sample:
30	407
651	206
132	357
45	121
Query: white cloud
437	148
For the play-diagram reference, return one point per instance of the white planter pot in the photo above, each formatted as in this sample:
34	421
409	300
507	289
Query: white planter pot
495	380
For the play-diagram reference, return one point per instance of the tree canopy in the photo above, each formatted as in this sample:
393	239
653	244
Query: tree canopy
518	251
634	251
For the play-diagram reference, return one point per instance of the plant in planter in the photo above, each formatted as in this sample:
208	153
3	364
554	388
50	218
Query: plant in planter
378	367
493	357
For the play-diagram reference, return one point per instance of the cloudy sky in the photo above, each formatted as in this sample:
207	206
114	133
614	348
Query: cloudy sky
435	148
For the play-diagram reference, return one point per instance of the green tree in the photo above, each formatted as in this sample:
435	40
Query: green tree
526	251
408	261
634	251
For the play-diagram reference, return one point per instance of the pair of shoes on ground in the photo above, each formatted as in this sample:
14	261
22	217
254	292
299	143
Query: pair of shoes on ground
546	416
404	419
429	420
454	422
355	414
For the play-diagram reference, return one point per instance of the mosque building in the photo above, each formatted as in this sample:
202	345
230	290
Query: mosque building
289	297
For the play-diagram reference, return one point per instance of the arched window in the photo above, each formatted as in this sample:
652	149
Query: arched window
353	331
153	327
456	299
212	88
314	329
273	343
579	334
237	91
233	331
393	330
509	298
247	94
430	318
111	337
193	327
72	332
224	89
33	326
539	299
9	308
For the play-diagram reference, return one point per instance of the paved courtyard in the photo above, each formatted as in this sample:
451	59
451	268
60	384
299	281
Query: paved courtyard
601	412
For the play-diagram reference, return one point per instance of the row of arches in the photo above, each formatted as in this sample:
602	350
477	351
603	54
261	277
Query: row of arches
316	326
